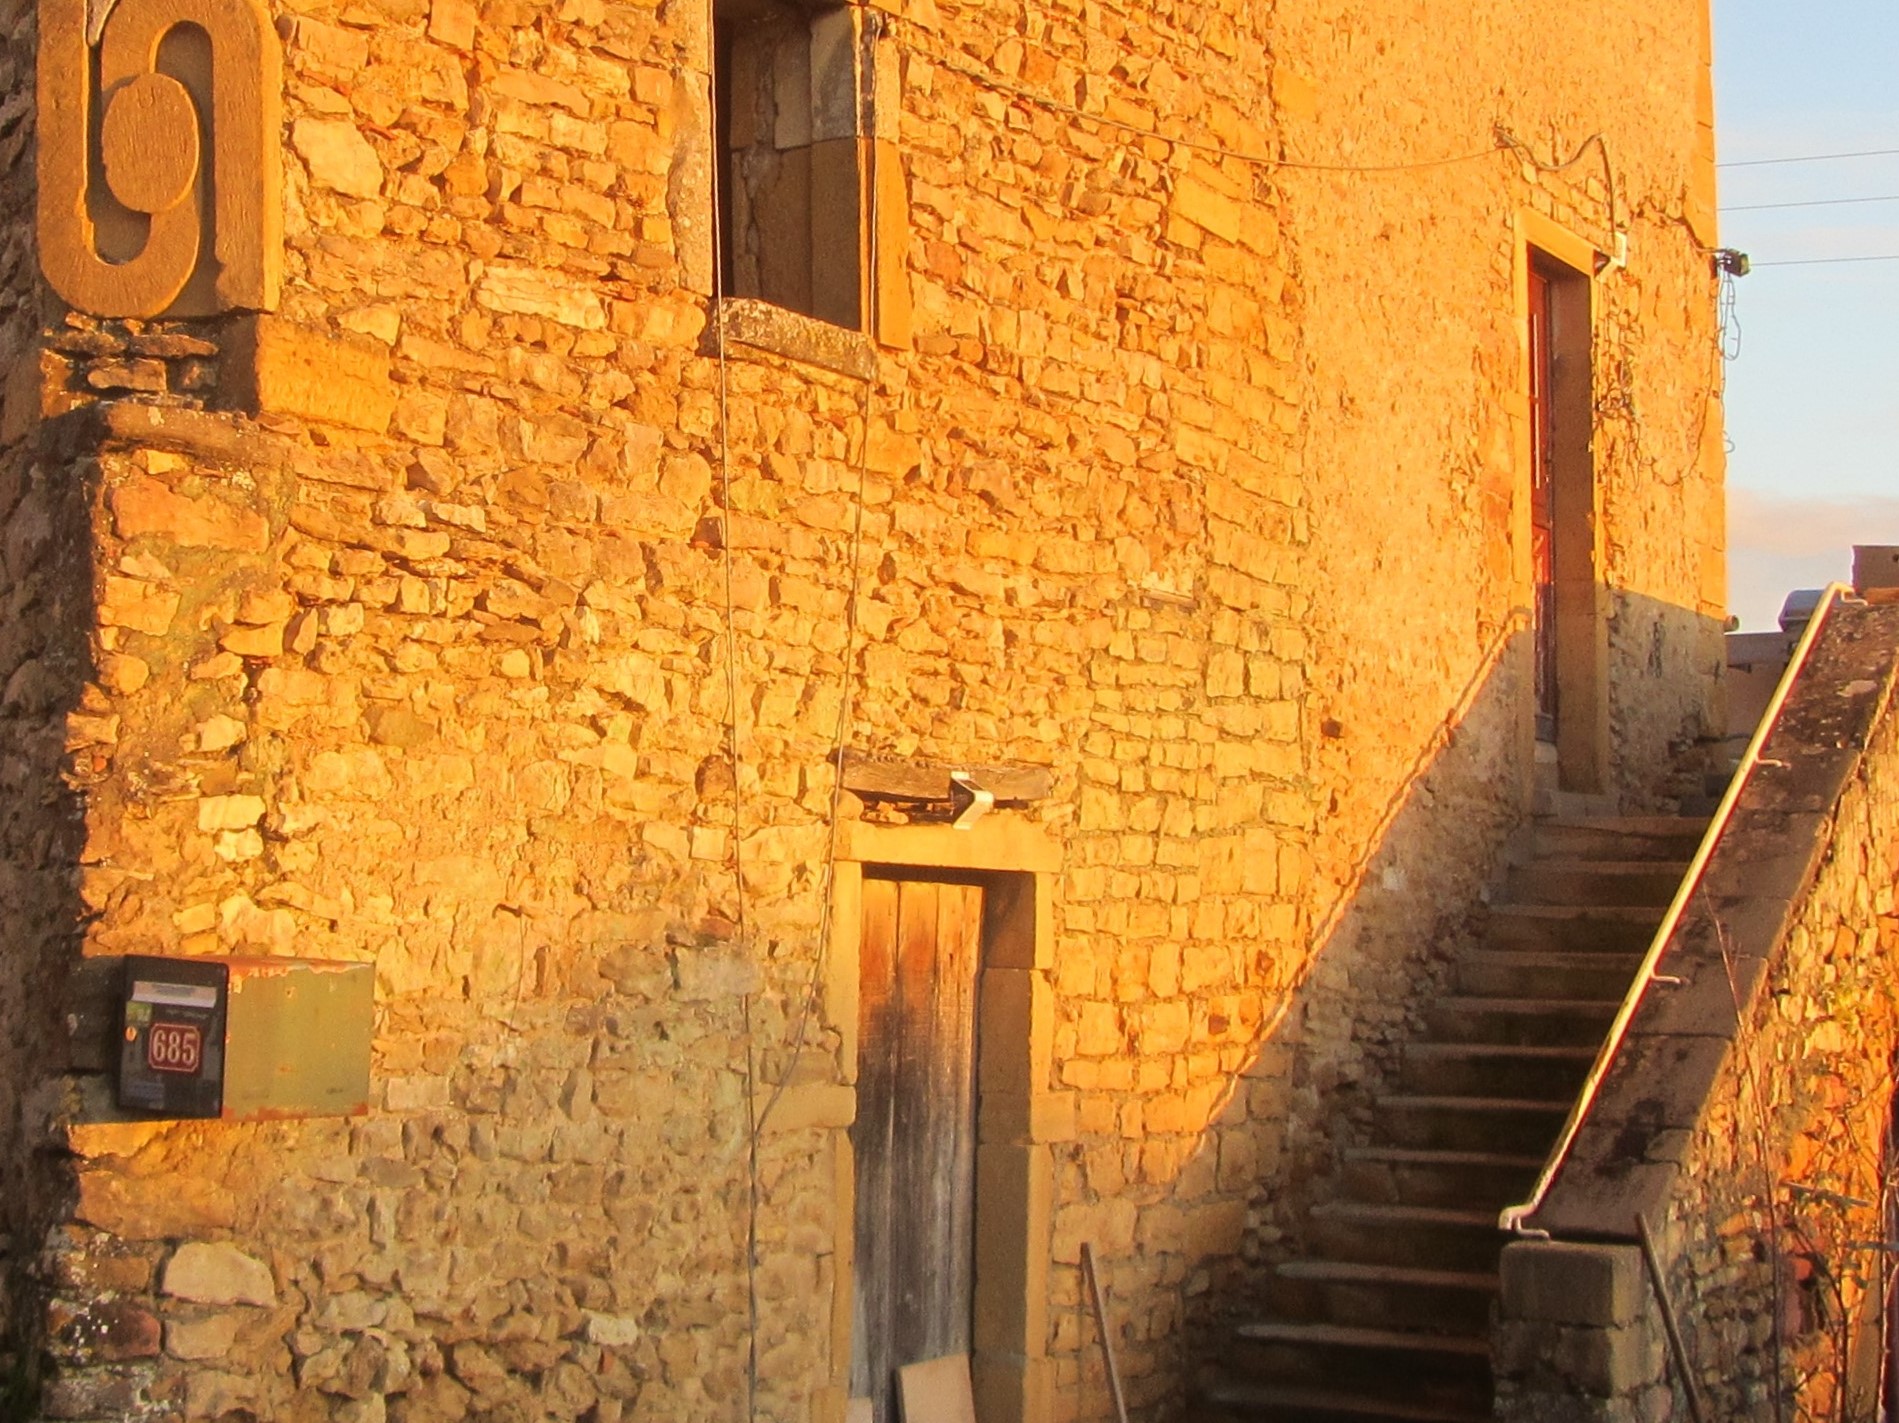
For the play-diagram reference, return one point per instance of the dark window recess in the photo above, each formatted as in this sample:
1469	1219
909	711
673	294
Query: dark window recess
791	156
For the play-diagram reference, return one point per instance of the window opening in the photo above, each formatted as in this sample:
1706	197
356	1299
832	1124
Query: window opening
791	150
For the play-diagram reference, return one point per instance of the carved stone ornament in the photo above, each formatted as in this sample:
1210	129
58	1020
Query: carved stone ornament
181	84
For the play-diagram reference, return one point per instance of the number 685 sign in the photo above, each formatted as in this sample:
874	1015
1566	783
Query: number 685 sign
174	1047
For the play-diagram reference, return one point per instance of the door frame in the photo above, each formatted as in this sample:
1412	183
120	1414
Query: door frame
1581	633
1019	1116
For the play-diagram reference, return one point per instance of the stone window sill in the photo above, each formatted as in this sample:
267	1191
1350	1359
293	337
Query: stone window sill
748	322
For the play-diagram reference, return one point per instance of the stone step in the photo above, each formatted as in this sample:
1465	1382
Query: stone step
1383	1296
1575	805
1239	1401
1408	1367
1402	1175
1494	1070
1644	883
1534	973
1628	837
1548	1022
1411	1237
1501	1124
1571	928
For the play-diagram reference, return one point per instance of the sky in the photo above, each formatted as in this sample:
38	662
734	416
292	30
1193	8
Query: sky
1813	395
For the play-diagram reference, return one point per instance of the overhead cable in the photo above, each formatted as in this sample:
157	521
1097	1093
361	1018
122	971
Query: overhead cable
1828	261
1811	203
1809	158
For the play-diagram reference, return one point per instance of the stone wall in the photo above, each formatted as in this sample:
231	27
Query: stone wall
494	614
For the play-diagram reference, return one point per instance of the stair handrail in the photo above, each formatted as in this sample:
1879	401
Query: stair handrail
1512	1218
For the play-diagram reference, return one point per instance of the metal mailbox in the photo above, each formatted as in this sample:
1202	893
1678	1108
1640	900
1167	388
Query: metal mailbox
245	1038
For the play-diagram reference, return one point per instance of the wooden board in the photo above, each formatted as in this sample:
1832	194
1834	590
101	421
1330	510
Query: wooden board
914	1139
937	1391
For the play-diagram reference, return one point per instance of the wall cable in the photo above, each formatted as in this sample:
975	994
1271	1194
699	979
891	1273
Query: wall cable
1597	141
732	754
758	1116
1503	140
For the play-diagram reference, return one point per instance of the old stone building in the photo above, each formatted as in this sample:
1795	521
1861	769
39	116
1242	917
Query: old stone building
565	504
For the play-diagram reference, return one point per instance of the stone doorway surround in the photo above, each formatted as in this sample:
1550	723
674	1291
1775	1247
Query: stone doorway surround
1581	591
1019	1115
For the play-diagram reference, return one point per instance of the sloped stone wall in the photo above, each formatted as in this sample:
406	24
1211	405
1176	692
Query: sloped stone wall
1748	1116
1779	1232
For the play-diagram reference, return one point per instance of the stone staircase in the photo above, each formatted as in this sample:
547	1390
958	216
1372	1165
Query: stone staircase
1388	1318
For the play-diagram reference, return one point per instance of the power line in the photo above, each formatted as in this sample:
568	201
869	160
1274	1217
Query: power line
1828	261
1811	203
1810	158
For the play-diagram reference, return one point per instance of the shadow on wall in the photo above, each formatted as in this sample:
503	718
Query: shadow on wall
1336	1015
1410	901
55	748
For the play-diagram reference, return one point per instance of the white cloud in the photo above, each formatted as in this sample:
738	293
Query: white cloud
1791	526
1777	543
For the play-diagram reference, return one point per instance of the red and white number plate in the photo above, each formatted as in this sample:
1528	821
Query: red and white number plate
174	1047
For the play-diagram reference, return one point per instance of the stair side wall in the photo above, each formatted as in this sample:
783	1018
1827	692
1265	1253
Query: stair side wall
1772	1228
1748	1116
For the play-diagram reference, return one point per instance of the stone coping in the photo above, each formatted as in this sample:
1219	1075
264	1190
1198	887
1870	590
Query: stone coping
1629	1151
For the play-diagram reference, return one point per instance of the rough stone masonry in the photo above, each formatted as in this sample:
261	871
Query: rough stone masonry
495	607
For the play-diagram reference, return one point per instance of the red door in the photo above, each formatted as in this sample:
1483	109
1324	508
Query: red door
1542	504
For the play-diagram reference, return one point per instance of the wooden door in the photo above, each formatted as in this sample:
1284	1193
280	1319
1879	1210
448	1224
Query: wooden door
1543	500
915	1134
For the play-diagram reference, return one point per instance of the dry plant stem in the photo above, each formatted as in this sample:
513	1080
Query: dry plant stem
1675	1345
1100	1299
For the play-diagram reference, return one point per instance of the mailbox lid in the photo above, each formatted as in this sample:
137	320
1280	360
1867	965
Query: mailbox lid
298	1037
171	1051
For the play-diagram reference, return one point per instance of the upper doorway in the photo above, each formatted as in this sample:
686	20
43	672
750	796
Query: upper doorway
1569	623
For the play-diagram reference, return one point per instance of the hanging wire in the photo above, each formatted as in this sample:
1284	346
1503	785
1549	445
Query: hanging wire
1727	314
732	752
758	1116
1597	141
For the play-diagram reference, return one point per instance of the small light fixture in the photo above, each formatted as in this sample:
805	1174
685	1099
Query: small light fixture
971	801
